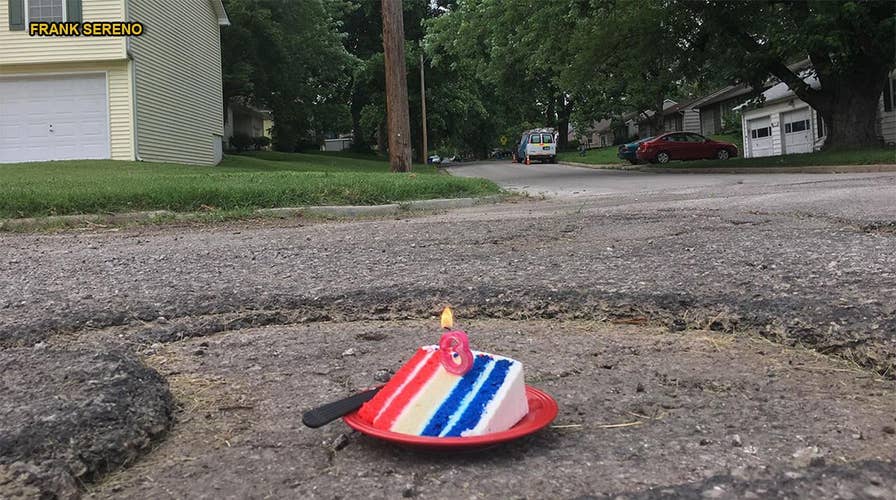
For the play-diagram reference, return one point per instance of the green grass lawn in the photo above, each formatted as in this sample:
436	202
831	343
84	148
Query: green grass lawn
599	156
243	182
607	156
874	156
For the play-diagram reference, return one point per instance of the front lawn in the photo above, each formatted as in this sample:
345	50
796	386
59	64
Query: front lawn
243	182
598	156
874	156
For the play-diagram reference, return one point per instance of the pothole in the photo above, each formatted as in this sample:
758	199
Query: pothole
639	408
68	416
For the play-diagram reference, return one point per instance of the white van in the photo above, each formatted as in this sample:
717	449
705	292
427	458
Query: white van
539	144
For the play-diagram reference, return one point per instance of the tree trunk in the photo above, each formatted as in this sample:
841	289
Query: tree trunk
658	121
396	87
381	135
850	116
563	123
359	140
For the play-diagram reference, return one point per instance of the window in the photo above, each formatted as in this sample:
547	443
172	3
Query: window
797	126
534	138
548	138
696	138
759	133
46	11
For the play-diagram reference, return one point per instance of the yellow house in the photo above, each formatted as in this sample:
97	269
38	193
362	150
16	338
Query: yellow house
153	97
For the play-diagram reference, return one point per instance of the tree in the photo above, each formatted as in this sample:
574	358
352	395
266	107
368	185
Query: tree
849	43
288	57
502	68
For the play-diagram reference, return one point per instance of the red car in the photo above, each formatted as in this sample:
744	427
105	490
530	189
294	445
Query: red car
684	146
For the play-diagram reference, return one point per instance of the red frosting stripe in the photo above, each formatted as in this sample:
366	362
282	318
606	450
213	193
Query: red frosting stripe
388	417
370	409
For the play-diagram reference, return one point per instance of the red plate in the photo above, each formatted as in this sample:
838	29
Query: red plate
542	411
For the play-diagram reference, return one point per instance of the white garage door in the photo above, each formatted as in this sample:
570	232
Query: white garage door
53	118
760	137
797	131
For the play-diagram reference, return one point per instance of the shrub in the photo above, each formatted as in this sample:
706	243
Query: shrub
731	123
241	142
261	142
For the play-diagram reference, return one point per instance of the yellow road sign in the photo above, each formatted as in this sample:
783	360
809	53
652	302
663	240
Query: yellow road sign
503	140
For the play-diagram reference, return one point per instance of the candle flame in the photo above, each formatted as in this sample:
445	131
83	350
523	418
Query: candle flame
447	318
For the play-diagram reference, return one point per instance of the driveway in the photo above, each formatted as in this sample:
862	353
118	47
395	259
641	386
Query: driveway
568	181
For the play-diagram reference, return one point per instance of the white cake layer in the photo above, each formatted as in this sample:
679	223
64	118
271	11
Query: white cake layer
507	407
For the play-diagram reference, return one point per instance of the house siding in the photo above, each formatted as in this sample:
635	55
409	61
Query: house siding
887	122
691	120
17	47
181	121
707	120
119	92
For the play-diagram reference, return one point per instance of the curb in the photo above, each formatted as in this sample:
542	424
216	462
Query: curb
609	166
323	210
818	169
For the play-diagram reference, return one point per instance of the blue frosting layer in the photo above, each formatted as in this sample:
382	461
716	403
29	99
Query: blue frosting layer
452	403
473	412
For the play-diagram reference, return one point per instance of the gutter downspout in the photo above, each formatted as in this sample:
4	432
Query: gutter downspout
130	56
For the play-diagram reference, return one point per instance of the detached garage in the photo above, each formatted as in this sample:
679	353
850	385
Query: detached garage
783	124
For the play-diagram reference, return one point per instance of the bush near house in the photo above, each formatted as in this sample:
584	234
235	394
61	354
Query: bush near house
241	142
261	142
241	182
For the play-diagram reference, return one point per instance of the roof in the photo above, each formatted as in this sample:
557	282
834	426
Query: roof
236	104
781	91
218	7
668	105
602	126
723	94
678	108
740	89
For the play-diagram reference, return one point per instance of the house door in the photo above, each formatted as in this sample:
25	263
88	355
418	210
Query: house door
760	137
797	131
54	118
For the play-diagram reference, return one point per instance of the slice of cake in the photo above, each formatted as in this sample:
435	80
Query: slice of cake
426	399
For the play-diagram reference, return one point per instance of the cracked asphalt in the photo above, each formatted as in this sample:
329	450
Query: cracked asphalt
803	266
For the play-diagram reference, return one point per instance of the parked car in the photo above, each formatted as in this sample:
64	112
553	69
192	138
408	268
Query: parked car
433	159
537	145
629	151
684	146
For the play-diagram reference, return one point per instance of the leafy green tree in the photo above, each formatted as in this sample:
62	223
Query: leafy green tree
288	57
627	57
850	44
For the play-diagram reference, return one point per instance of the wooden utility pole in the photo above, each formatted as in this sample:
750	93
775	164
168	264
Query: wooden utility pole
396	87
423	105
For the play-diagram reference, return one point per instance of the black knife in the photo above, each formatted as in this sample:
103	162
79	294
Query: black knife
323	415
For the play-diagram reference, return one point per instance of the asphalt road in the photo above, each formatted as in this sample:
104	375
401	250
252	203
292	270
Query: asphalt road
756	313
567	181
